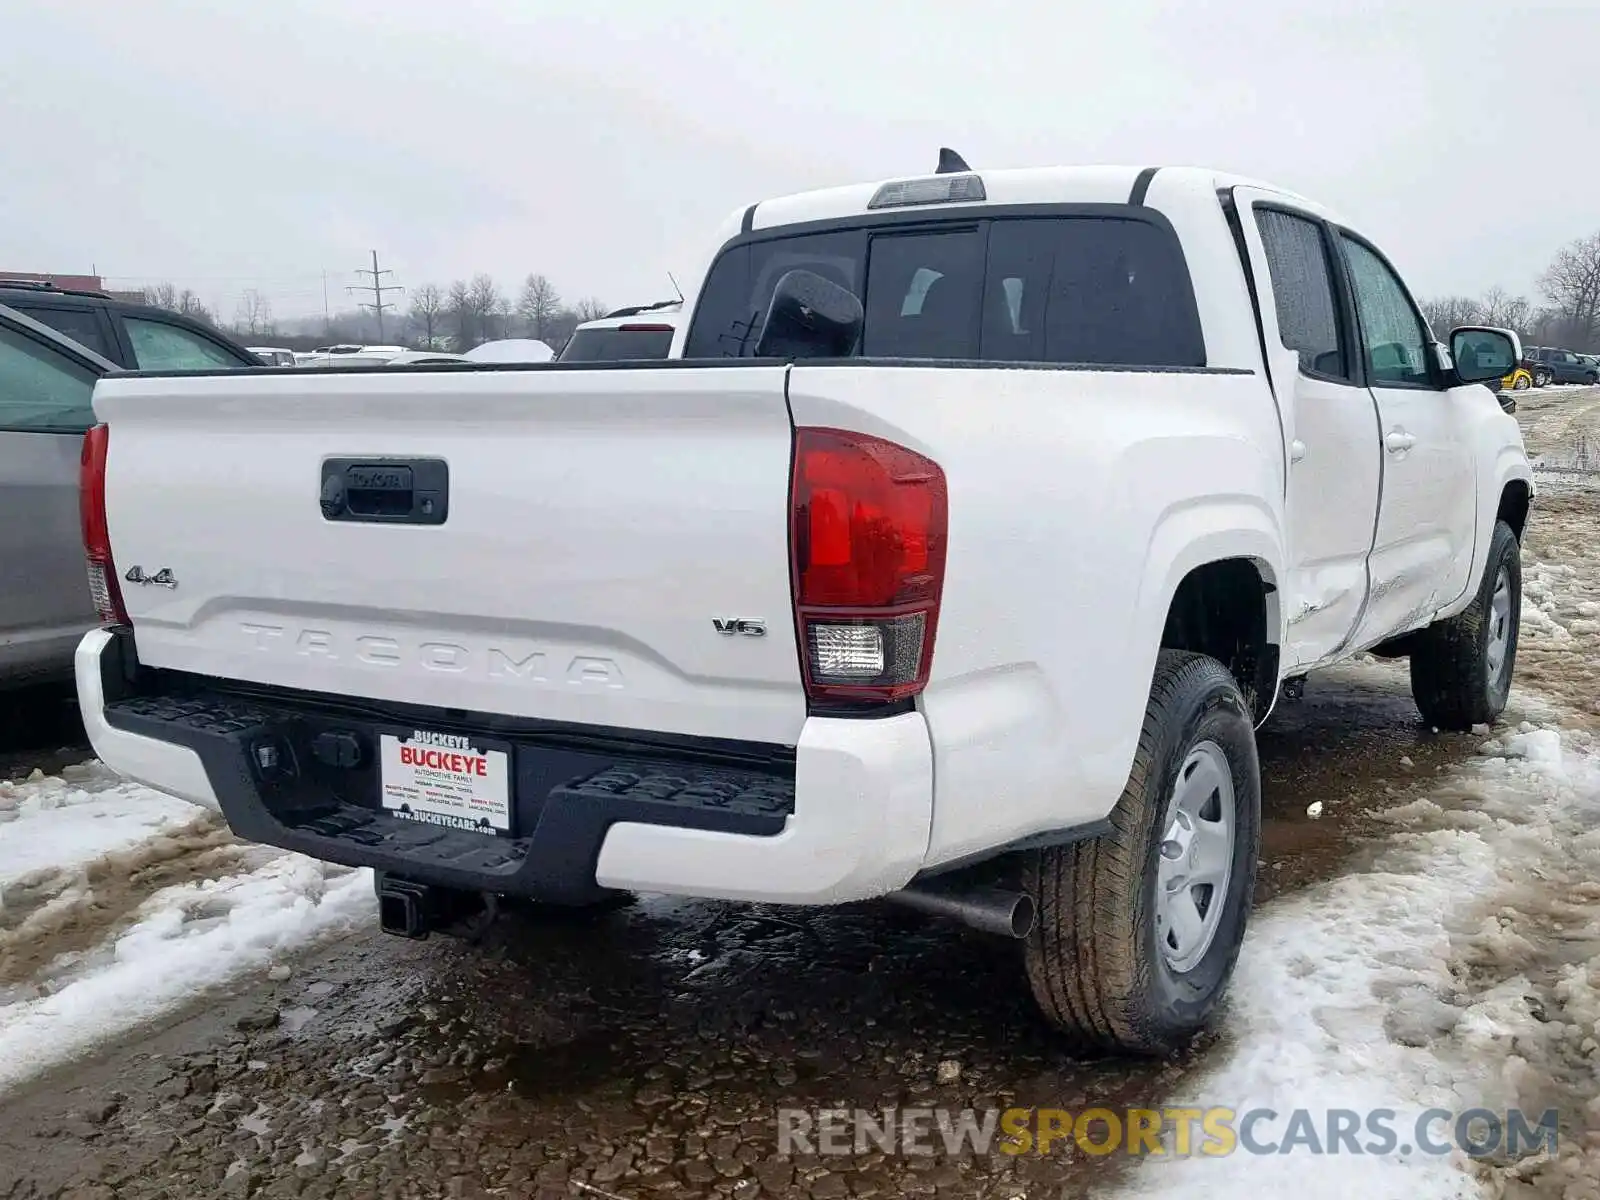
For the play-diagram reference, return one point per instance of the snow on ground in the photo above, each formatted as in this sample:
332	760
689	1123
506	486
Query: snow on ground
1459	967
119	903
1412	985
54	823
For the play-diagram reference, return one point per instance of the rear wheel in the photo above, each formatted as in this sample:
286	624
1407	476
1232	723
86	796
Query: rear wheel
1521	384
1461	668
1138	930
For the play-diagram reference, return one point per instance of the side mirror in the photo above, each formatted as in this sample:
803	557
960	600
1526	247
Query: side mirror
1482	354
810	317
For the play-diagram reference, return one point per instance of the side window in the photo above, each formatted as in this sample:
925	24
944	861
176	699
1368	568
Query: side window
923	292
41	388
1302	291
82	325
158	346
1393	336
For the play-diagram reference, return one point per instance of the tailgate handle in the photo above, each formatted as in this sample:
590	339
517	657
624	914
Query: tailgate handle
391	491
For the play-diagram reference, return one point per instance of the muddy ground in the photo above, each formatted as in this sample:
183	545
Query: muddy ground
644	1051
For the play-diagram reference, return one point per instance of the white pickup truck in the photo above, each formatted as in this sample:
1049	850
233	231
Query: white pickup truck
954	557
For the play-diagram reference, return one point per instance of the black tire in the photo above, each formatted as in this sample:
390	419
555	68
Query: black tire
1521	384
1452	679
1094	958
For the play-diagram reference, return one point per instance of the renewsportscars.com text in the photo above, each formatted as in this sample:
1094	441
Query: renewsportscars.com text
1165	1132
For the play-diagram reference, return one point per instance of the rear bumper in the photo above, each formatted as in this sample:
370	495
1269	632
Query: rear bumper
843	816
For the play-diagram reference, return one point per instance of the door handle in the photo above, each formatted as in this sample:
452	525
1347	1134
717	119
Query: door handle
1297	450
1398	441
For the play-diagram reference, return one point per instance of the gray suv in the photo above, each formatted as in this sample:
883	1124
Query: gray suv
1565	366
46	381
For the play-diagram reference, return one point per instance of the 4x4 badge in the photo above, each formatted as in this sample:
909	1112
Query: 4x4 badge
162	578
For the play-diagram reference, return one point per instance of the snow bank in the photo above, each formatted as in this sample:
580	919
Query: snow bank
59	823
1401	988
184	940
92	944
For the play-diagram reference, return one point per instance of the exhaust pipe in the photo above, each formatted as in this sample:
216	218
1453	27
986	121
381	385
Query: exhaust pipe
991	910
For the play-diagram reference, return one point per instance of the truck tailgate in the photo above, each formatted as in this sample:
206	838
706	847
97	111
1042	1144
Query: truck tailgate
604	534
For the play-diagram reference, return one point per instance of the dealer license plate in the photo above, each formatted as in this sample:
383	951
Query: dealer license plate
445	779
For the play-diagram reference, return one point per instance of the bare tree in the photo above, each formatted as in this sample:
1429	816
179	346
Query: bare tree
505	312
255	313
190	305
1444	313
1506	311
485	299
162	295
538	304
427	313
459	306
558	330
591	309
1572	285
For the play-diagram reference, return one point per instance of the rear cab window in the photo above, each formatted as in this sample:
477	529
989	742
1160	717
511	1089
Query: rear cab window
1109	289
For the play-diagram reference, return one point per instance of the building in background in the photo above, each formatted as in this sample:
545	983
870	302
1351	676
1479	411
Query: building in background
72	283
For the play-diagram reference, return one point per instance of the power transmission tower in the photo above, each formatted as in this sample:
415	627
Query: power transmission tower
377	287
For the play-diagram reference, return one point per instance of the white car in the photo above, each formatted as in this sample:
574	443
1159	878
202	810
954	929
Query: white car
422	358
645	332
969	594
511	350
273	356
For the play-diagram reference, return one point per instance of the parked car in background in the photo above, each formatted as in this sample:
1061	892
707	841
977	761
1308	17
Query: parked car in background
273	356
136	336
46	380
350	356
1519	380
644	332
423	358
1565	366
511	350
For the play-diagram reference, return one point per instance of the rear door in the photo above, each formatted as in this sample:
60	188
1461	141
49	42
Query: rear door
1330	424
1422	554
44	595
602	546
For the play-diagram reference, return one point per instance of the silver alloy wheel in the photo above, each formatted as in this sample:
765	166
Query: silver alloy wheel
1499	626
1196	857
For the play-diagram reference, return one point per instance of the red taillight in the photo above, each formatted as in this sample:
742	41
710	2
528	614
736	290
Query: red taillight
868	521
644	328
103	584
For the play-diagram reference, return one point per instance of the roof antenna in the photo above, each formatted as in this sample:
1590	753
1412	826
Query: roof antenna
950	162
675	286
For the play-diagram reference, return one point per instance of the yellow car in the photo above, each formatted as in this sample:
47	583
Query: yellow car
1518	381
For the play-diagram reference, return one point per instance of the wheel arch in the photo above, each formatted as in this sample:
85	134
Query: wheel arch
1213	585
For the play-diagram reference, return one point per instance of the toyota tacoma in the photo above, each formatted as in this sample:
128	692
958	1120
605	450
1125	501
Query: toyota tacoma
973	526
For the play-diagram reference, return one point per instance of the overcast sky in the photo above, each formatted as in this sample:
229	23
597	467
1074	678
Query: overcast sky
228	145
